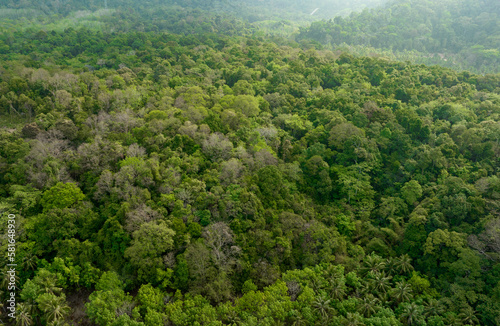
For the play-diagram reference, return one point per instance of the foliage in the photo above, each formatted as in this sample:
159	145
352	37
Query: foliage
215	179
462	34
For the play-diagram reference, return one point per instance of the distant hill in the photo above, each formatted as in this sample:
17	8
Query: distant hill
257	10
253	10
460	33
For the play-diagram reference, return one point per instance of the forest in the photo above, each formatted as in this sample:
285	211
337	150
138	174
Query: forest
462	34
458	34
178	166
252	10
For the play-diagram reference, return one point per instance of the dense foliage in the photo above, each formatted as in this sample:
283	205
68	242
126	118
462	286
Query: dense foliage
252	10
460	34
210	179
463	33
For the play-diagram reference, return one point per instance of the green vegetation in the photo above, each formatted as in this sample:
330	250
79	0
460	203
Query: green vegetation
212	176
462	34
252	10
459	34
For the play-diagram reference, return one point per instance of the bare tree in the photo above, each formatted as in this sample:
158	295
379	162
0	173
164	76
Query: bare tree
46	159
217	147
231	171
264	158
104	185
124	121
63	98
105	100
63	80
135	150
487	243
99	123
99	155
219	238
188	129
40	75
142	214
294	289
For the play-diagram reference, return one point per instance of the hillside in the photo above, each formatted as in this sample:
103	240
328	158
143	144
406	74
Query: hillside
192	163
159	178
463	34
251	10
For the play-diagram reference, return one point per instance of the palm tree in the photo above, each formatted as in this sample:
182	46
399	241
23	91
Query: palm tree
317	284
468	316
403	264
352	320
47	282
58	323
337	288
54	308
363	289
380	282
402	292
452	320
411	314
298	320
23	317
322	305
368	305
390	266
232	318
373	263
29	262
433	308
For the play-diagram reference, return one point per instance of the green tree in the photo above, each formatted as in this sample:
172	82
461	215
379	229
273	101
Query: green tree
402	292
107	299
24	317
412	314
379	282
411	191
149	298
148	244
54	308
62	195
368	305
403	264
323	307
